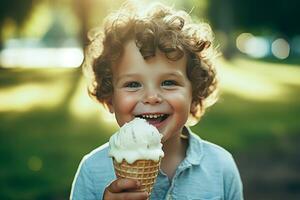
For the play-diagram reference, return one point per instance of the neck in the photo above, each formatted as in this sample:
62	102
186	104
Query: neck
175	150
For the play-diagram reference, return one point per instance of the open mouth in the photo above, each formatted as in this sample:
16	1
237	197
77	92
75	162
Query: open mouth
154	118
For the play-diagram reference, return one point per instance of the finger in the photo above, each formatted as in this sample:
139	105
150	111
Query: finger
131	195
122	184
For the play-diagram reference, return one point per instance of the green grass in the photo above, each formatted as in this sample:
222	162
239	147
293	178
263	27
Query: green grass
58	141
42	146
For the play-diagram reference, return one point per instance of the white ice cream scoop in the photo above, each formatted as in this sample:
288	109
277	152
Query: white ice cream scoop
136	140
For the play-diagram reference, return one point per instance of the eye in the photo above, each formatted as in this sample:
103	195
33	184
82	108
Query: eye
132	84
169	83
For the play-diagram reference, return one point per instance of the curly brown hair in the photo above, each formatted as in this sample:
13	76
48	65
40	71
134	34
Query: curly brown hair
161	27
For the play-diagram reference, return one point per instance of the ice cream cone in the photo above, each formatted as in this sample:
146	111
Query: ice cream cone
145	171
136	150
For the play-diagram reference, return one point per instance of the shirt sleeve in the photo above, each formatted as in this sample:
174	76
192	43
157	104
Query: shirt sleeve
82	186
233	187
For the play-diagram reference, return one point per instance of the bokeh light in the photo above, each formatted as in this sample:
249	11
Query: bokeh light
241	41
35	163
256	47
280	48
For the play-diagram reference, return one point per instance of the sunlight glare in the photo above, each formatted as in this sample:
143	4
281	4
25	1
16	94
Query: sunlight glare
250	85
41	57
27	96
83	107
279	73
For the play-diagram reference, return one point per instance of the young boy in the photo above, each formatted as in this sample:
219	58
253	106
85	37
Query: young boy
158	66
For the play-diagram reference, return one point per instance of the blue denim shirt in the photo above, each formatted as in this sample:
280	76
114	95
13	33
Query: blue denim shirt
208	172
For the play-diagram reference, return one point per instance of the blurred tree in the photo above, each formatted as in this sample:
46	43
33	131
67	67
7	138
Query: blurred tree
217	12
281	16
90	14
268	17
16	10
81	9
221	14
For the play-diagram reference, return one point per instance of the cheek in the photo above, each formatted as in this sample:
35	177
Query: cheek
181	101
123	102
181	107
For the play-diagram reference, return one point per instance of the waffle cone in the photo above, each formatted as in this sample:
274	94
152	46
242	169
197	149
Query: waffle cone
144	171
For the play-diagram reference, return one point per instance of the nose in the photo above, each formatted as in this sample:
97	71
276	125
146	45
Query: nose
152	97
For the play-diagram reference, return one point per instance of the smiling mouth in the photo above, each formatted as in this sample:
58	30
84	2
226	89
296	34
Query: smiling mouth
154	118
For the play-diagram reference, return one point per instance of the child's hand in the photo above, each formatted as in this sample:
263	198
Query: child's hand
124	189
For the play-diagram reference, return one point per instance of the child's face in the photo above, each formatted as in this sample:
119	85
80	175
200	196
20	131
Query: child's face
156	89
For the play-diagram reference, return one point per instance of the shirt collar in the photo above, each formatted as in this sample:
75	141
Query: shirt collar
194	152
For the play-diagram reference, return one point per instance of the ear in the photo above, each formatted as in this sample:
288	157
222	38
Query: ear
194	112
109	105
194	108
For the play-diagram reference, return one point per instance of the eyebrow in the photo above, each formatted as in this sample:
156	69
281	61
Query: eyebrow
176	74
130	75
127	76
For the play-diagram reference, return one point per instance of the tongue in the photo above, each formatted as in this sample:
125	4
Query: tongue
153	121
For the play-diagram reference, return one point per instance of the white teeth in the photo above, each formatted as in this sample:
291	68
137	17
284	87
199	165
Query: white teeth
152	116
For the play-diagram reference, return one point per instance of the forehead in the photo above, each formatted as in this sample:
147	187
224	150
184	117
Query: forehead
132	58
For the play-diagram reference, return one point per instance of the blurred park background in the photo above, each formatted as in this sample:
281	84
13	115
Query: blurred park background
48	122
